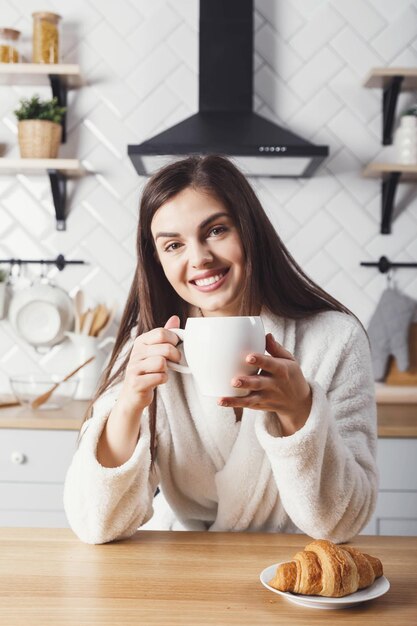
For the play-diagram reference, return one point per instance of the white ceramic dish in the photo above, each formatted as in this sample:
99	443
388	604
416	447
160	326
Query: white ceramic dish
41	314
380	586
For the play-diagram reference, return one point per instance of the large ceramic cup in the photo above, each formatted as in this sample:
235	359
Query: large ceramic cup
215	350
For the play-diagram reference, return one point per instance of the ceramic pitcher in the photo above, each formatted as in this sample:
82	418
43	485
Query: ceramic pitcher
86	346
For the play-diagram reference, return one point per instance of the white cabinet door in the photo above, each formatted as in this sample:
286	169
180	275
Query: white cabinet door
396	509
33	464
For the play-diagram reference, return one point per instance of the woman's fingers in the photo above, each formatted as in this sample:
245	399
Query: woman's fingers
167	350
267	363
252	401
149	365
148	381
173	322
253	383
158	335
276	349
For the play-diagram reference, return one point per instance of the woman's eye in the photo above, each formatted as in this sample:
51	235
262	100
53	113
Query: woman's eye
172	246
217	230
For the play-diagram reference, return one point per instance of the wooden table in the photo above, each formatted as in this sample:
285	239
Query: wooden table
48	577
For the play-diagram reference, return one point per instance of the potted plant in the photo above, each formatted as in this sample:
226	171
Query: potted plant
39	127
3	279
405	139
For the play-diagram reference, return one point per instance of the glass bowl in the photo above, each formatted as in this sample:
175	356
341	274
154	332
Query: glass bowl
27	387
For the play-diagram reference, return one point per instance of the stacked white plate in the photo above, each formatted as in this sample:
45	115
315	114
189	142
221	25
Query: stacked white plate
41	314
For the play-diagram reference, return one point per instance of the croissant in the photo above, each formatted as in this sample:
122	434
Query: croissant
326	569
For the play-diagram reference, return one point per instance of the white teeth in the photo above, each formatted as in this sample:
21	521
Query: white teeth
203	282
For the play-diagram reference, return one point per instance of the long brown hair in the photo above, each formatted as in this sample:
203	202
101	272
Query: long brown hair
273	279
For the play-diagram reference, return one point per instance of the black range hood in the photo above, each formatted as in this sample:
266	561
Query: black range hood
226	123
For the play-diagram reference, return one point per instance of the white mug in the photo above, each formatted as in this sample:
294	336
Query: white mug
215	350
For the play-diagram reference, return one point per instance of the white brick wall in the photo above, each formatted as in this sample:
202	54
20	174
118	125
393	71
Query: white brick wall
140	60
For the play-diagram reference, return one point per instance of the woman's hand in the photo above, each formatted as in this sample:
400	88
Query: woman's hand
280	388
147	366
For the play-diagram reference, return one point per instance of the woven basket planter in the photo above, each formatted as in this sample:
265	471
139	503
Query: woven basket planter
39	139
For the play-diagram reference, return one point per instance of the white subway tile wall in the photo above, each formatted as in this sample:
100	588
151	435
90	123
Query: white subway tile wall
140	63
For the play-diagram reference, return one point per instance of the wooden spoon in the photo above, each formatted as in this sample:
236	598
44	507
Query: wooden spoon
110	318
100	318
37	402
78	309
87	322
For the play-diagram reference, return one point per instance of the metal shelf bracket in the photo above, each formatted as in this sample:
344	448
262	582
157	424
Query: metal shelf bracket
60	92
58	182
389	187
389	105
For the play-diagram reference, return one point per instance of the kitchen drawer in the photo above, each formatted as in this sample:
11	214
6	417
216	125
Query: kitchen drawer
31	497
402	527
33	519
395	514
36	455
397	463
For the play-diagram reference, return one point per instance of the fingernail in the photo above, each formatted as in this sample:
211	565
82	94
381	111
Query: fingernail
237	383
223	403
251	359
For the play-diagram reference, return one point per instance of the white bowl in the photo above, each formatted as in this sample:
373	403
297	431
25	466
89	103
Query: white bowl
27	387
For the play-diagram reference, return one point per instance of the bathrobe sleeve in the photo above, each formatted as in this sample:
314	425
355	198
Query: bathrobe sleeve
326	472
101	503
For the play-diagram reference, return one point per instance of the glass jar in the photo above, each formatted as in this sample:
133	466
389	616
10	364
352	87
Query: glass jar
45	37
9	45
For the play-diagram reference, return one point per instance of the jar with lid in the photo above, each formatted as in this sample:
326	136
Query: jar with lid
46	37
9	45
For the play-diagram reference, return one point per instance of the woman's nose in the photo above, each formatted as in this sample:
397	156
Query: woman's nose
200	255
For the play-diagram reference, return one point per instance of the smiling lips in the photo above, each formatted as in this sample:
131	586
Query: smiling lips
211	281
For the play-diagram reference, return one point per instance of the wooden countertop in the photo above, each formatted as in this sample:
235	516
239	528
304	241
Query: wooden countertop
395	419
70	417
47	576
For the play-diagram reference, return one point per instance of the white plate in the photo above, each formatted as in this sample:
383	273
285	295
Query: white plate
38	322
380	586
41	314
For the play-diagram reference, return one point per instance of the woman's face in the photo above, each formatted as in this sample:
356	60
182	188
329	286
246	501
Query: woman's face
200	251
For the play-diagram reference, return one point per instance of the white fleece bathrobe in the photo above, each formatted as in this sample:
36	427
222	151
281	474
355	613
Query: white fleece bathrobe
221	475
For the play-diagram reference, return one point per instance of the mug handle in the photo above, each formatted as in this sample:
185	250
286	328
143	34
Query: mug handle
177	367
106	342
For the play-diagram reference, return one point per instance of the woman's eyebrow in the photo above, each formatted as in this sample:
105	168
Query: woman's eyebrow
166	235
216	216
203	224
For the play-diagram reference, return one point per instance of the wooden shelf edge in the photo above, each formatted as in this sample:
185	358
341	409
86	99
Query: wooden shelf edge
378	77
38	74
64	69
376	169
72	167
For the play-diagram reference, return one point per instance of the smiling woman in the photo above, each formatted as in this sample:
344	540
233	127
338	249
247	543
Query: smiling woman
203	259
296	451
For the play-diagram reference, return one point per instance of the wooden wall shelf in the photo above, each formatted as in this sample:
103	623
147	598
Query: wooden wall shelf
38	74
61	77
391	80
58	170
376	170
391	174
381	77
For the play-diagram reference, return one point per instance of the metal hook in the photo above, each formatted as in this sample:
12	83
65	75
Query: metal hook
390	278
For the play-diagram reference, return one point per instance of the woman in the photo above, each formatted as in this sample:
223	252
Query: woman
296	454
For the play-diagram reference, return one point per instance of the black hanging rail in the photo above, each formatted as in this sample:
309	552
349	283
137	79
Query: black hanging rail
384	264
60	262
